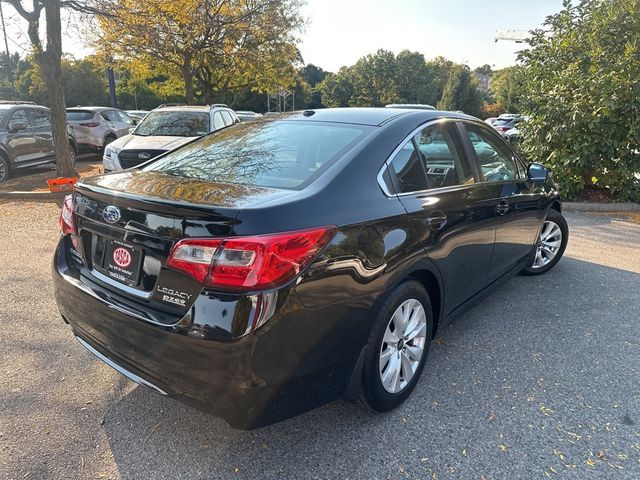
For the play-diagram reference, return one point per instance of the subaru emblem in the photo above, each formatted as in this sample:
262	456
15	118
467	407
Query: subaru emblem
144	156
111	214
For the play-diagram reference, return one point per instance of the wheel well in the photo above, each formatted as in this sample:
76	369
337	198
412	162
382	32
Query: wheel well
556	206
430	283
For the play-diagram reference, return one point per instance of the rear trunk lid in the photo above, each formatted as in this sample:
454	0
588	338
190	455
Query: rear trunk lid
128	223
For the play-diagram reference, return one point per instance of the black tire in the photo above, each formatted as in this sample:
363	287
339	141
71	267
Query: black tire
373	394
555	217
5	170
74	154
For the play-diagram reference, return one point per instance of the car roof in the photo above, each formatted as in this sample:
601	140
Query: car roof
186	108
93	109
7	106
373	116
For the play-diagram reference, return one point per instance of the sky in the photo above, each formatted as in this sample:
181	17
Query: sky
339	32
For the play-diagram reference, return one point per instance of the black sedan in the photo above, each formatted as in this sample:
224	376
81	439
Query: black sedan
270	267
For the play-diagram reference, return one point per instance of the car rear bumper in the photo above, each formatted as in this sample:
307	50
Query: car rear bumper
253	380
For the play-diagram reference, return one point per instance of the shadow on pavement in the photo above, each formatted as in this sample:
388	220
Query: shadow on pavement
540	377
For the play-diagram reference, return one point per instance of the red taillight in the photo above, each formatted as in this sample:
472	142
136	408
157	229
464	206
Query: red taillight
67	219
90	124
249	263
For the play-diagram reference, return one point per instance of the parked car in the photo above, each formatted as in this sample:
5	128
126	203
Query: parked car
504	124
26	138
286	262
164	129
245	115
136	115
491	120
412	106
97	127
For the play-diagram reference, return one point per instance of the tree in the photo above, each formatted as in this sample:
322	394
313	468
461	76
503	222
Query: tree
413	79
48	58
218	44
439	69
461	93
336	89
507	88
374	80
583	96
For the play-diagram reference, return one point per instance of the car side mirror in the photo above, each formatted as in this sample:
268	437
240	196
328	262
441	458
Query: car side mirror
17	126
537	173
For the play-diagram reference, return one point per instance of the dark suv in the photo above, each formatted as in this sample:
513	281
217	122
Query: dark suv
265	269
26	139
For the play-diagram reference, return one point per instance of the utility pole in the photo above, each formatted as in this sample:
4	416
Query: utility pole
6	46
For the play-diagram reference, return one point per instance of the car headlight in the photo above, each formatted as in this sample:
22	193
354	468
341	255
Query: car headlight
110	158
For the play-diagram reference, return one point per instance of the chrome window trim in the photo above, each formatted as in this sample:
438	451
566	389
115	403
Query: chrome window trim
387	163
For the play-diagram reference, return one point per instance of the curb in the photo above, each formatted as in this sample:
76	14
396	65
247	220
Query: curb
600	207
38	196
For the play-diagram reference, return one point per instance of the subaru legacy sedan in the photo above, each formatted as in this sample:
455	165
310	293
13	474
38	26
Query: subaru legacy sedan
263	270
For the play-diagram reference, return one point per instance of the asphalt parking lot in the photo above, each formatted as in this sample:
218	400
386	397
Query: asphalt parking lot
541	380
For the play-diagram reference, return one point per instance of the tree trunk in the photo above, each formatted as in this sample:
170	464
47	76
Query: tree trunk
50	66
187	76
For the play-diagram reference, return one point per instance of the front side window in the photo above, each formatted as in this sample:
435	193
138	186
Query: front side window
431	159
123	117
18	117
278	154
496	162
174	124
226	117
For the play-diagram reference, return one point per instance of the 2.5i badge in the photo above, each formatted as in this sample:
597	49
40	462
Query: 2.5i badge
175	297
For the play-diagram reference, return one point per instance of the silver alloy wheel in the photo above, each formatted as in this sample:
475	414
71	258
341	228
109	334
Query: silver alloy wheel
549	244
3	171
403	345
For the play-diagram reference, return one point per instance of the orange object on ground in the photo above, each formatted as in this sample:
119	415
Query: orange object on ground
61	184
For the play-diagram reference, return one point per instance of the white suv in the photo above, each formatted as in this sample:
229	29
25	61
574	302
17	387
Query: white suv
164	129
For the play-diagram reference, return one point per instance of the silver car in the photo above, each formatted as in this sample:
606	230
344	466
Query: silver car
97	127
163	129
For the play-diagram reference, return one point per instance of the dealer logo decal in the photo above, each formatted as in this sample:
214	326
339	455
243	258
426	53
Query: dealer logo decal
122	257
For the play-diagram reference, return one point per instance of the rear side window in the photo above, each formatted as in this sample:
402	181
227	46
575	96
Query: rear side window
227	118
496	162
19	116
39	118
279	154
431	159
218	122
77	115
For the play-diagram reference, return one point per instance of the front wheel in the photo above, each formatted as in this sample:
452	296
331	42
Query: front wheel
551	244
398	347
4	169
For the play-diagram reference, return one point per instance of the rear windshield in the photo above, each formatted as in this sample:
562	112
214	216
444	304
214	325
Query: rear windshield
174	124
75	115
278	154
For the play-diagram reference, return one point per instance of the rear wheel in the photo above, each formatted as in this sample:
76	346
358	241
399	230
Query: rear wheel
398	347
551	244
73	154
4	169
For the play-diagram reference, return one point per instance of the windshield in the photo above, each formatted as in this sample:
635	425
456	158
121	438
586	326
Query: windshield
174	124
279	154
76	115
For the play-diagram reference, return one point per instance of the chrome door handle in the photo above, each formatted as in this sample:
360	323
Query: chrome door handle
502	207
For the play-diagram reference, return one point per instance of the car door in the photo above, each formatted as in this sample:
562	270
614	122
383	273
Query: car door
437	185
517	203
22	143
41	123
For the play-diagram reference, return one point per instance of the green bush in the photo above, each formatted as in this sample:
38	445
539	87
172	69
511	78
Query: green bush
583	96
